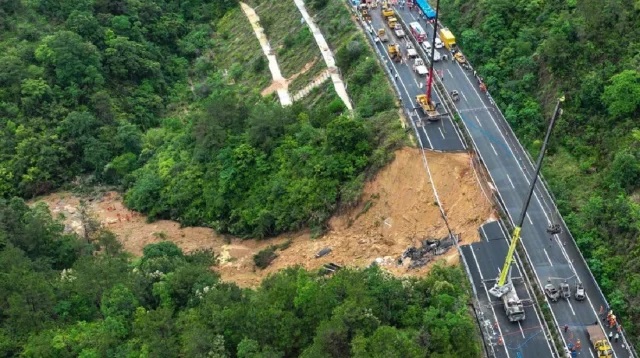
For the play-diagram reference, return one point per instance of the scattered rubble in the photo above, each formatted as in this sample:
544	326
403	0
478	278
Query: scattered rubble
416	257
397	211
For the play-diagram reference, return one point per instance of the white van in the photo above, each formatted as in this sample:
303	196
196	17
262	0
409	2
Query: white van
426	46
439	43
436	56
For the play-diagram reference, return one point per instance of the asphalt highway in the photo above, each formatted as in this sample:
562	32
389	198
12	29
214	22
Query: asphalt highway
554	258
439	135
484	260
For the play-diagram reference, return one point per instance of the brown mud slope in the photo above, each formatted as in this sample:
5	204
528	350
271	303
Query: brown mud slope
397	210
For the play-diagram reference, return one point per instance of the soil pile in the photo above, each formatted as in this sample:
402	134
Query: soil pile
397	210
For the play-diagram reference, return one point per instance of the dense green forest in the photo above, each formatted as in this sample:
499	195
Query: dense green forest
529	52
67	296
138	95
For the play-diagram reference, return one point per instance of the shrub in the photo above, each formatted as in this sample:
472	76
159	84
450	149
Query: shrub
264	258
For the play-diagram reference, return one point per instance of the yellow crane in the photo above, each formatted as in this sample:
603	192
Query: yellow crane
503	287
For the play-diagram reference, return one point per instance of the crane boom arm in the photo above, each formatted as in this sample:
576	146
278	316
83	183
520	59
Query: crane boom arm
507	263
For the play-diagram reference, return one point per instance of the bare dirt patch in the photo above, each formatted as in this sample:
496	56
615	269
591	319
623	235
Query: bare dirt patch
284	84
397	210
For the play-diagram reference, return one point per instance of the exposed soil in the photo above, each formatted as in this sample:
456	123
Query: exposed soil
284	84
397	210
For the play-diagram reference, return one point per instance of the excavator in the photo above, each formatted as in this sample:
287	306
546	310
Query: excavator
425	101
394	52
503	287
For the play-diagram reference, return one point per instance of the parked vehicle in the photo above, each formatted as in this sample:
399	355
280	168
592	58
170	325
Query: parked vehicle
411	52
417	31
566	291
599	342
382	35
427	47
552	292
580	294
419	67
448	39
436	56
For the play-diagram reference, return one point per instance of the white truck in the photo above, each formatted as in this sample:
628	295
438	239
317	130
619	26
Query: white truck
419	67
436	56
411	52
399	31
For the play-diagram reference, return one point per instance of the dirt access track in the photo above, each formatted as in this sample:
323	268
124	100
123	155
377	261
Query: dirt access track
397	210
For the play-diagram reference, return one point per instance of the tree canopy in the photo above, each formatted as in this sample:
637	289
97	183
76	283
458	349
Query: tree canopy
64	296
532	52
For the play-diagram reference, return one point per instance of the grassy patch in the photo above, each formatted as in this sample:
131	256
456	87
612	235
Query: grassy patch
291	39
238	51
304	79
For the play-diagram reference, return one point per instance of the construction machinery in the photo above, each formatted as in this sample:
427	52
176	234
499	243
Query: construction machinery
394	52
504	287
419	67
392	22
460	58
387	12
364	11
599	342
428	107
382	35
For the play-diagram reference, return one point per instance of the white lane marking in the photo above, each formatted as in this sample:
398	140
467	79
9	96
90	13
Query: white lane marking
450	74
529	218
464	74
571	306
427	135
519	165
477	119
488	297
573	270
521	331
547	255
494	149
590	352
466	100
441	133
484	232
404	87
508	177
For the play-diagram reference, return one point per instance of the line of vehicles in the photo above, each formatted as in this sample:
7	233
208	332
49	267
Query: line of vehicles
445	39
565	291
504	289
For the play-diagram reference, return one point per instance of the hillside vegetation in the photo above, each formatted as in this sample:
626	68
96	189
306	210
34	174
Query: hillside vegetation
247	166
170	304
162	100
589	51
